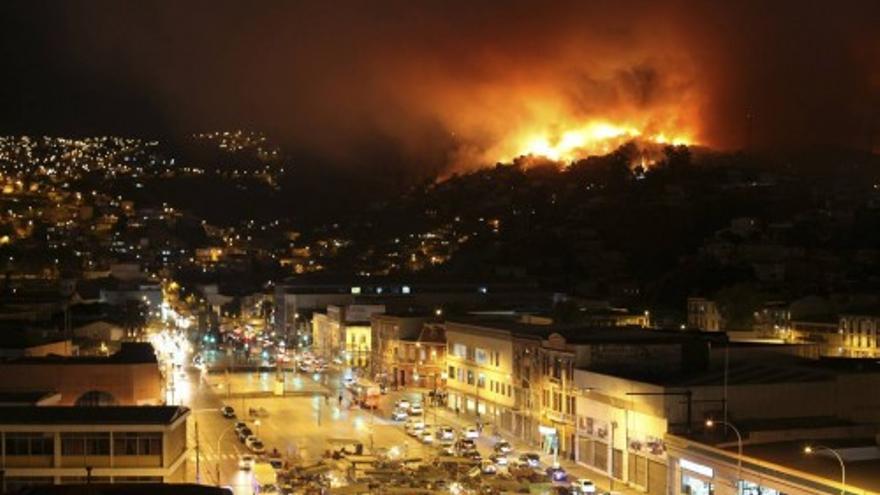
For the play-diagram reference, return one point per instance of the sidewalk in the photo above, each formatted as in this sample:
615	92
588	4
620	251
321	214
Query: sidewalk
574	470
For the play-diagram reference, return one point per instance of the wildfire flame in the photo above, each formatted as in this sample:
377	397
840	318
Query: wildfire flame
594	138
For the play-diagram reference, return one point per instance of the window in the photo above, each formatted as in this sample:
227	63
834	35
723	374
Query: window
510	390
137	443
481	356
459	350
85	444
451	374
470	377
481	381
460	375
29	444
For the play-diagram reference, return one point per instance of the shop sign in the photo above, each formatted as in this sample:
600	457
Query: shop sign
697	468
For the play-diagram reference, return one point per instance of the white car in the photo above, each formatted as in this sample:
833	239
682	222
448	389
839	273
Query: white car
426	437
446	432
416	410
399	415
471	432
584	485
402	404
246	462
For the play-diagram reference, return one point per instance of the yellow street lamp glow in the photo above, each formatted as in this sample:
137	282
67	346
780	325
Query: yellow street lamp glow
808	450
709	423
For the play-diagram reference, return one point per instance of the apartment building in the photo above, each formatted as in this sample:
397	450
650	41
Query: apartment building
479	363
859	335
46	445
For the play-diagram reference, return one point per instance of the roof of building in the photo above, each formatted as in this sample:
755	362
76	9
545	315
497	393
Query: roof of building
739	372
586	334
127	489
23	339
77	415
14	398
129	353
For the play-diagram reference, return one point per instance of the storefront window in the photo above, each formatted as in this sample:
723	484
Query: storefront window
691	485
749	488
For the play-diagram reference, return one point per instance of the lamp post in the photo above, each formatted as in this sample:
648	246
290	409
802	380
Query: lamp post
809	450
220	439
710	423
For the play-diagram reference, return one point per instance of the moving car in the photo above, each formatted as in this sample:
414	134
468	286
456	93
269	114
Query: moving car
465	444
584	485
499	459
556	473
246	462
488	467
471	432
503	447
402	404
399	415
416	410
240	425
227	412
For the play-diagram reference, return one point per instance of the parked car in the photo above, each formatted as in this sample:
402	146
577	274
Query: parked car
499	459
445	432
488	467
556	473
584	485
239	425
227	412
426	437
416	410
530	459
246	462
255	444
244	433
503	447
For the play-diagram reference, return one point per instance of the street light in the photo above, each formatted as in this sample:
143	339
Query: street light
710	423
220	439
809	450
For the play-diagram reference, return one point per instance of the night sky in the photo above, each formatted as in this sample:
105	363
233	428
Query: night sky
444	83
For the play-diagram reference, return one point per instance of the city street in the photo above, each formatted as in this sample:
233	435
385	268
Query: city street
299	424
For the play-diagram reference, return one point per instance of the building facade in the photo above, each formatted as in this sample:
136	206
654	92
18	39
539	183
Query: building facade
129	377
703	314
60	445
479	363
860	335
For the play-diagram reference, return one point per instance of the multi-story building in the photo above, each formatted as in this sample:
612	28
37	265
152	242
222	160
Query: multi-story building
345	331
408	351
129	377
703	314
479	362
388	330
60	445
526	387
860	335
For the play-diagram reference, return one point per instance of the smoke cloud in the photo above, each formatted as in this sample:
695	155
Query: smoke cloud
447	84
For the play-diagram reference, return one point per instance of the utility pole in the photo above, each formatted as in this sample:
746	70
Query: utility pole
198	455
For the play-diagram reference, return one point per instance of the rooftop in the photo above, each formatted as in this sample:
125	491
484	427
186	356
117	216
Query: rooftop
76	415
129	353
127	489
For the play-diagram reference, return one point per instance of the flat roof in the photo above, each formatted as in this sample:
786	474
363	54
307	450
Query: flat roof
26	397
128	353
77	415
585	334
740	372
861	456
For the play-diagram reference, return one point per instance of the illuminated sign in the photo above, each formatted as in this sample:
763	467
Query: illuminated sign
697	468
